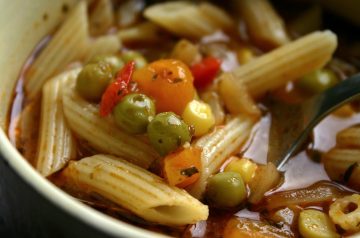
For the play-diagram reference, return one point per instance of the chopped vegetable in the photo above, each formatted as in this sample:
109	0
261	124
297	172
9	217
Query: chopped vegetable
182	168
316	224
226	190
117	89
205	71
169	82
247	228
243	166
346	212
134	112
186	51
114	61
167	132
140	61
245	55
318	81
199	115
93	80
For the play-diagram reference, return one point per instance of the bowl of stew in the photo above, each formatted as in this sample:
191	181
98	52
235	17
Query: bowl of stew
165	119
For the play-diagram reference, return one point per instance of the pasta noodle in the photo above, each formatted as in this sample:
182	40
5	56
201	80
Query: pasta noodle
218	146
101	17
136	189
129	12
287	63
235	96
187	19
104	45
68	44
56	143
212	98
186	51
265	26
349	137
102	133
144	32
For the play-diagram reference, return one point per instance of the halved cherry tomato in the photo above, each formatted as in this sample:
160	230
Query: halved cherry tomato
117	89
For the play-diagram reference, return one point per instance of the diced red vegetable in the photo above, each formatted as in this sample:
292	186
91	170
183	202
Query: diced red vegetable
205	71
117	89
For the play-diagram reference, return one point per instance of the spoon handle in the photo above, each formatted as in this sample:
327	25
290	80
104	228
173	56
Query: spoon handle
318	107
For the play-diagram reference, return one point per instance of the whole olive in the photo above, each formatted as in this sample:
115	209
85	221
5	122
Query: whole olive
167	132
134	112
226	190
115	62
93	80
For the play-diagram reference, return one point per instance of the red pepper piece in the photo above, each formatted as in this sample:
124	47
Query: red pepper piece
205	71
117	89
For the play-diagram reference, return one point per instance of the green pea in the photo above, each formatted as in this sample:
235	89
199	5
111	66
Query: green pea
226	190
318	81
134	112
115	62
140	61
167	132
93	80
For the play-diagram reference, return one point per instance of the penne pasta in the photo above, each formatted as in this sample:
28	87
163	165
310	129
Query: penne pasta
136	189
349	137
187	19
101	17
129	12
287	63
236	97
56	144
144	32
67	45
104	45
265	26
102	133
217	147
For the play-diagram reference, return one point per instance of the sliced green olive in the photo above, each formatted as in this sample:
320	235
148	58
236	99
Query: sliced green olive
226	190
134	112
167	132
93	80
140	61
318	81
115	62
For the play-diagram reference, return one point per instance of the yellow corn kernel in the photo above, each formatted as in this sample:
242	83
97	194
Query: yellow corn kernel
244	55
316	224
243	166
199	115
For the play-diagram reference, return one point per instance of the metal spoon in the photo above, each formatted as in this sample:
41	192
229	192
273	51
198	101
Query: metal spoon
291	132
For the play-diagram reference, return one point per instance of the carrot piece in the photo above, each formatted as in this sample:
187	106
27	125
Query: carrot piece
182	168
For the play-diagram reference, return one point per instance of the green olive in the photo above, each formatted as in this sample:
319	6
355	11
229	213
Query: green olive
167	132
226	190
140	61
134	112
115	62
93	80
318	81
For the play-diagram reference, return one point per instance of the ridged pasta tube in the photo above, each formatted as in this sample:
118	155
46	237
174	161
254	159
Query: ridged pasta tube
349	137
265	26
101	17
56	142
217	147
68	44
287	63
187	19
135	189
104	45
102	133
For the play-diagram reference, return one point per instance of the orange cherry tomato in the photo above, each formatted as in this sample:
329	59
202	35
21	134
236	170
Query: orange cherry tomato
169	82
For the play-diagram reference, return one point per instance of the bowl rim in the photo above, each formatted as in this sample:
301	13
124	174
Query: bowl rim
62	200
